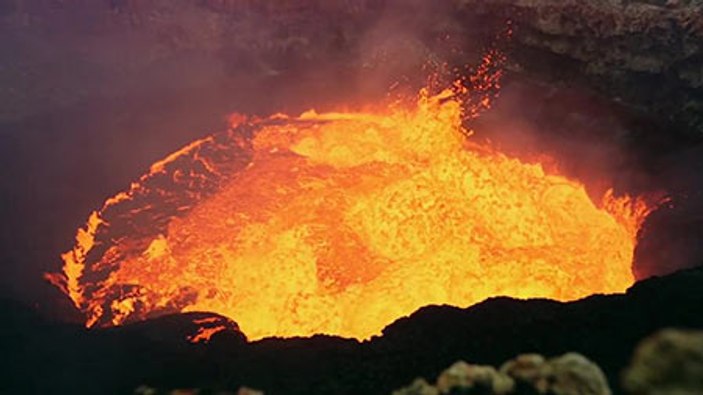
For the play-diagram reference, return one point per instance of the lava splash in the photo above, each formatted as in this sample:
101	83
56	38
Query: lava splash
340	223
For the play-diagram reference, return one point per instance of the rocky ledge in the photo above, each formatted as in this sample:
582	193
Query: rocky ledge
53	357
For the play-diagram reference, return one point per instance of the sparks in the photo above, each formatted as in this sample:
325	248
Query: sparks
341	223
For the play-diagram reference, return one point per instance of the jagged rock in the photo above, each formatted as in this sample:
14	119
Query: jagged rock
569	374
526	370
607	34
667	363
574	374
465	378
647	54
50	357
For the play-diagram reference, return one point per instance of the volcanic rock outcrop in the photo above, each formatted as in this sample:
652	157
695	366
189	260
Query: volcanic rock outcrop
667	363
70	359
569	374
644	53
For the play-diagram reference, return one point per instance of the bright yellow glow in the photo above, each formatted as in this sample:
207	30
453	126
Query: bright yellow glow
343	222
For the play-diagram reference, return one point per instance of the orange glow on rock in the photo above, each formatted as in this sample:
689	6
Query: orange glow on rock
341	223
208	327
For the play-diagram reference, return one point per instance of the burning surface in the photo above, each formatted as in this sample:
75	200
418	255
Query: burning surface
340	223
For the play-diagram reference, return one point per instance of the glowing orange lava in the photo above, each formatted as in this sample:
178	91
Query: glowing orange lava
340	223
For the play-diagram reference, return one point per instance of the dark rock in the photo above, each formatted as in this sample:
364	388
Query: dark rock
569	374
667	363
70	359
463	378
418	387
646	54
574	374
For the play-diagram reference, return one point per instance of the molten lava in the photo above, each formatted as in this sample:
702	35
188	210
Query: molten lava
340	223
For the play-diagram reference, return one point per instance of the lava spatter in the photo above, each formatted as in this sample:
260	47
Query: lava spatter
340	223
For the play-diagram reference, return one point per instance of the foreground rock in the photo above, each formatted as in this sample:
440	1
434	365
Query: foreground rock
667	363
474	378
62	358
569	374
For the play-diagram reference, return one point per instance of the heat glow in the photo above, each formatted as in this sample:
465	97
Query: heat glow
340	223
